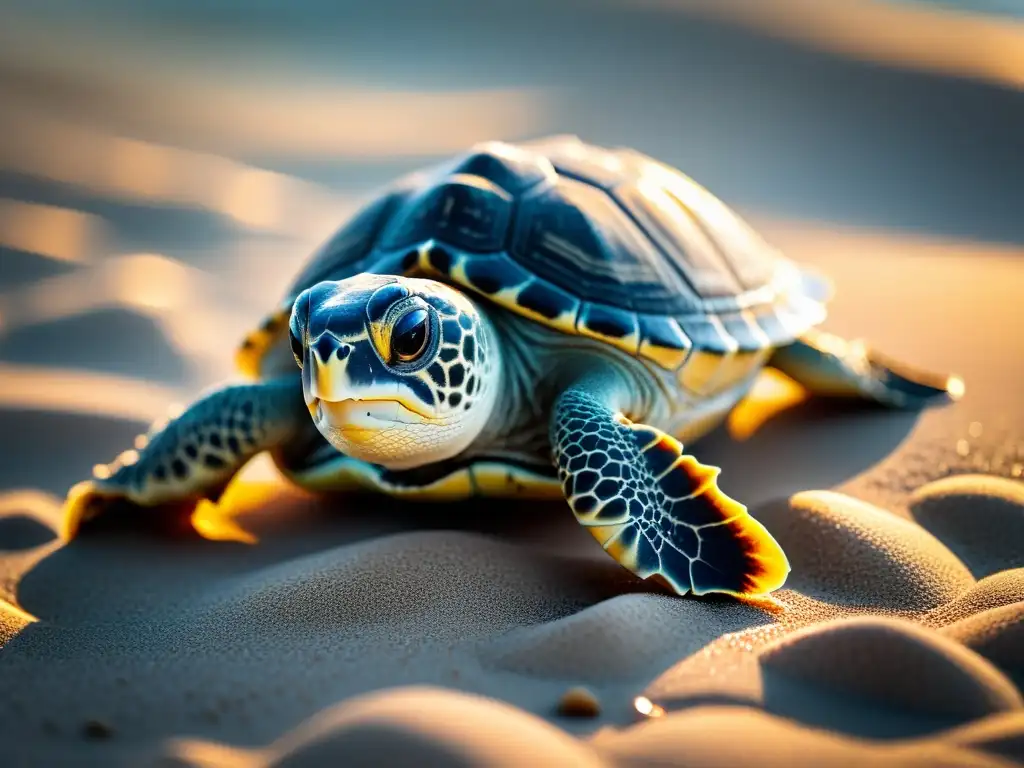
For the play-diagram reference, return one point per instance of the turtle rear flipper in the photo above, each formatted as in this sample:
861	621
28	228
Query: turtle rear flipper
831	366
192	457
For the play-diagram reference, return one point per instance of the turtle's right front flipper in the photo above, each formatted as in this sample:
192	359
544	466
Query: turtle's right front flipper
195	455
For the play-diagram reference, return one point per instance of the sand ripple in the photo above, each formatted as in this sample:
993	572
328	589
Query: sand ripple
981	517
896	663
849	552
995	591
997	634
300	649
620	639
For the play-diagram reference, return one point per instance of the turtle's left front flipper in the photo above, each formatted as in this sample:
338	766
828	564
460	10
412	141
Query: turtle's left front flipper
829	365
195	455
657	511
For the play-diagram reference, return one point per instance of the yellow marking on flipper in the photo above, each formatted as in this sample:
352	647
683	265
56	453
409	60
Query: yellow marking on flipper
604	533
661	439
214	523
253	497
254	347
670	468
77	508
496	479
613	545
762	550
766	564
706	476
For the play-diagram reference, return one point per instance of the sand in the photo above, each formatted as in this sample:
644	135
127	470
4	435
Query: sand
151	208
295	631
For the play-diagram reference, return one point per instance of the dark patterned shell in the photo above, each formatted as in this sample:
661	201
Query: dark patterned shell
605	243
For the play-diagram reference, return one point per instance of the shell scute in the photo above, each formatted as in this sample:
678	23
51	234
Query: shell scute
605	243
575	236
469	212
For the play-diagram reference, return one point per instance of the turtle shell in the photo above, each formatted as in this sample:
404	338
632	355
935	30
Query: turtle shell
606	243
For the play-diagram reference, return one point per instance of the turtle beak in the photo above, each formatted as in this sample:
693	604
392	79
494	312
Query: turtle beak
360	419
338	405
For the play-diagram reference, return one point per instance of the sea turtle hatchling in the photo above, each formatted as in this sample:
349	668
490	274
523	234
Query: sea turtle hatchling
543	319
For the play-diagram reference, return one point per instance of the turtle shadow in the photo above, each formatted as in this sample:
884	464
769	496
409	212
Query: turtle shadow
130	548
817	444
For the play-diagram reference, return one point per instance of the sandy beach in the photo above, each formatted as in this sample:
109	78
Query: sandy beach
299	631
158	189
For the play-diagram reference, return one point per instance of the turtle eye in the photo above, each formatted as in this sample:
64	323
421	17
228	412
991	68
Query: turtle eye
410	335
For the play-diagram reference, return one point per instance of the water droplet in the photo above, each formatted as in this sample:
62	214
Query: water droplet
1017	470
963	448
974	430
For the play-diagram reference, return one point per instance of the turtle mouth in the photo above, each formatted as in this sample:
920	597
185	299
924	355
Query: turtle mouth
366	414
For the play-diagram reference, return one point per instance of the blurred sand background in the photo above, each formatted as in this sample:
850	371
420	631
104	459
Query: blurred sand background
166	166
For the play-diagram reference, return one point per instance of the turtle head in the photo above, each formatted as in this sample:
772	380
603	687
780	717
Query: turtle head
396	371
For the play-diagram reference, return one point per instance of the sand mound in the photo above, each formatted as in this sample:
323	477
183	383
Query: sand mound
621	639
999	734
993	591
428	726
411	726
997	634
982	518
850	553
443	585
723	737
23	532
143	638
895	663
